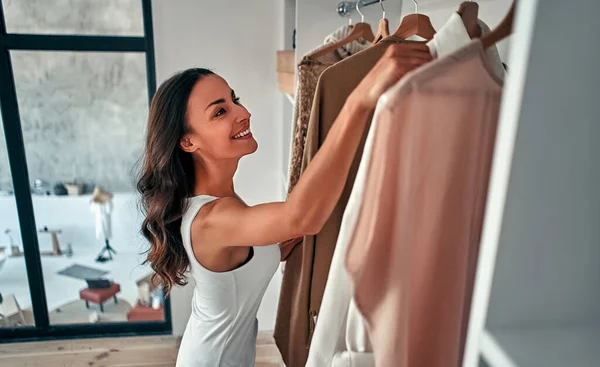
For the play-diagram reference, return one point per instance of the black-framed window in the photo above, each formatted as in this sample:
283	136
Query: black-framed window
77	77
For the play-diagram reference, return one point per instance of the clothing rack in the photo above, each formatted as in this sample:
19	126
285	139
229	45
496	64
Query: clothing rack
345	8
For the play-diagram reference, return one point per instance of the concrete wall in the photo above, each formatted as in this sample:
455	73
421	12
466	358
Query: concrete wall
82	113
108	17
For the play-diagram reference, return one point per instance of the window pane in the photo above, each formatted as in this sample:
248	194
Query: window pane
15	303
83	117
105	17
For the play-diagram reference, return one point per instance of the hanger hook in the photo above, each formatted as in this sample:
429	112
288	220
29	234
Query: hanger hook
362	16
416	6
382	8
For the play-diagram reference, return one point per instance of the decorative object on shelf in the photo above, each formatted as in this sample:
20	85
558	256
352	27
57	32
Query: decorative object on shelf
73	188
40	187
60	189
56	251
145	289
157	297
101	205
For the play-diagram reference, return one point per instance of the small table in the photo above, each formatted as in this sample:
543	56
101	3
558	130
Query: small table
145	313
99	296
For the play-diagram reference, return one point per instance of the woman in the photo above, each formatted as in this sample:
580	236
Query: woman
197	132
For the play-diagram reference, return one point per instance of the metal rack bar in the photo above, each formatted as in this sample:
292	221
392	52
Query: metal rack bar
344	8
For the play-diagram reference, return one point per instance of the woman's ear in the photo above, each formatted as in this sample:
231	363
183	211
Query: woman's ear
186	144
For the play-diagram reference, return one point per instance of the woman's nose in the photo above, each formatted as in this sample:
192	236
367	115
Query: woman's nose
244	113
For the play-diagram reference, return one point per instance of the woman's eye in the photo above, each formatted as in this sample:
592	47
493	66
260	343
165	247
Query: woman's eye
236	100
220	112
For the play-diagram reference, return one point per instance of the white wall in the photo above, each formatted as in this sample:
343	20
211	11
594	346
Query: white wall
238	40
548	262
289	24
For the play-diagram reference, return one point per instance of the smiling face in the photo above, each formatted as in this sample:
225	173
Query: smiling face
218	125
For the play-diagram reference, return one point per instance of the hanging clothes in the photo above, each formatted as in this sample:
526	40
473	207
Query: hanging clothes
309	71
305	274
102	213
413	254
341	331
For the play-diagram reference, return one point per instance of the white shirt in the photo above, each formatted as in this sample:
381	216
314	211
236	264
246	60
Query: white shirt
340	337
222	328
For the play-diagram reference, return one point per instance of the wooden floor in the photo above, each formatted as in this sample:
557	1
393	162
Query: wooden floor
154	351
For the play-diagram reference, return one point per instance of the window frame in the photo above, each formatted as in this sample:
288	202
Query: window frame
15	146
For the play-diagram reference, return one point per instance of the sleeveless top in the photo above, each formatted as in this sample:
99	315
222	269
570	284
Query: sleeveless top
222	328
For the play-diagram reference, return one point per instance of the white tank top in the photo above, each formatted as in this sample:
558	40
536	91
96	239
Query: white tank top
222	329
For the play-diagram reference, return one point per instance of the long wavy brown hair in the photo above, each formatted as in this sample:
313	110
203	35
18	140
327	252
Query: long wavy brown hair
167	178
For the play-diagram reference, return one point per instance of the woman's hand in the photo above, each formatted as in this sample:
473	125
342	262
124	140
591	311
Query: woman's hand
286	247
398	60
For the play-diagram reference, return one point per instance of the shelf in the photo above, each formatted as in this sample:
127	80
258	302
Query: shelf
547	347
286	79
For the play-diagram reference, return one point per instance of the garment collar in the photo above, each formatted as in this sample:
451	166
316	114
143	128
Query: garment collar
454	35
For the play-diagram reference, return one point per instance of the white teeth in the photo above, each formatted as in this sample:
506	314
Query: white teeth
242	134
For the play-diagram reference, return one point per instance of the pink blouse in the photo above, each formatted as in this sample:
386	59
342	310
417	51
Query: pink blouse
413	253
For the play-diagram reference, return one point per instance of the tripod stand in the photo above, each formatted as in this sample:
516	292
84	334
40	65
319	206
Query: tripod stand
105	249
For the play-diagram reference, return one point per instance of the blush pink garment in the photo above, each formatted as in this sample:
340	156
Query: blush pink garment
413	253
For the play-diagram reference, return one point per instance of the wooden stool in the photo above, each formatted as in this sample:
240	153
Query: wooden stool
99	296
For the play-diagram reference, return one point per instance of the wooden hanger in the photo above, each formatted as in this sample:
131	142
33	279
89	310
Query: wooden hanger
367	31
383	29
415	25
503	30
360	30
469	12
